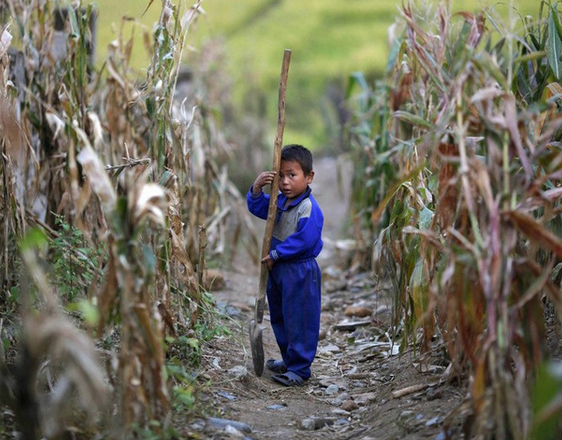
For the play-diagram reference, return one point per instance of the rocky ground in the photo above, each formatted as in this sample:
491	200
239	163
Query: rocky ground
363	386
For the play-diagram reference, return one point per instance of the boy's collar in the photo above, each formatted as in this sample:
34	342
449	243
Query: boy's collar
296	201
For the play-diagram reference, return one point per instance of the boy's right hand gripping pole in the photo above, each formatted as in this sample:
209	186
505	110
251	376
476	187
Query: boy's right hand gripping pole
256	328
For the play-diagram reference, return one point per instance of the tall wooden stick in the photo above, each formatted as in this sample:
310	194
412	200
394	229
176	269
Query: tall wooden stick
272	210
256	328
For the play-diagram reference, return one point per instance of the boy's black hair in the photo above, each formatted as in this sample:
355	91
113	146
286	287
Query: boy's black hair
300	154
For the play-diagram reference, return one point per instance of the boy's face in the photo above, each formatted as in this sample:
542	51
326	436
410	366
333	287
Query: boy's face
292	181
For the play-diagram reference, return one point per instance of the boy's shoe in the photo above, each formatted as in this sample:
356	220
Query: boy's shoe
289	379
277	366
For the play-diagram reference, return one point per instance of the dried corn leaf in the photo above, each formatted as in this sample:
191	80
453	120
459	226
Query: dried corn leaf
535	231
150	204
58	339
5	41
98	178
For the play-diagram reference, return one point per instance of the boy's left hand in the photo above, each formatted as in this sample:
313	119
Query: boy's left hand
268	261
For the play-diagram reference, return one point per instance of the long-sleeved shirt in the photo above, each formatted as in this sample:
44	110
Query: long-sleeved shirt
297	232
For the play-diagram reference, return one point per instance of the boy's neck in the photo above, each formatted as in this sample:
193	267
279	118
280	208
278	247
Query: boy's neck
289	201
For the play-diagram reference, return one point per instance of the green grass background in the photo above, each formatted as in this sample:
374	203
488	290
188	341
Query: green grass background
329	39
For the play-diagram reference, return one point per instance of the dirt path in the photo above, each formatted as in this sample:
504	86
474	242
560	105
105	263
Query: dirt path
357	369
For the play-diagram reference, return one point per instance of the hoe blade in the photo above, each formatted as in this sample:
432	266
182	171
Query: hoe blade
256	342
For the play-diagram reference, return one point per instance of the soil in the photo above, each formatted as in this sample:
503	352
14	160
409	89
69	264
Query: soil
362	386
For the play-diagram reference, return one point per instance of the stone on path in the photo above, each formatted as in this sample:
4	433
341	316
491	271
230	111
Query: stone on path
224	423
239	372
349	405
332	389
365	398
359	311
313	423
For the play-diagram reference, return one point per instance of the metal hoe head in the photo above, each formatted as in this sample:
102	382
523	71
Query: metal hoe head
256	342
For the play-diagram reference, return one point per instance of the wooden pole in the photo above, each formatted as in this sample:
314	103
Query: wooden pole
272	210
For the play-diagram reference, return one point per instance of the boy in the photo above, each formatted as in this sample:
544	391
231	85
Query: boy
293	290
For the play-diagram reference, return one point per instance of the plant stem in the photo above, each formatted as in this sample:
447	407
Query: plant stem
463	171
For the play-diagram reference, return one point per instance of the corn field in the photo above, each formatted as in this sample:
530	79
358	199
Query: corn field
457	186
112	202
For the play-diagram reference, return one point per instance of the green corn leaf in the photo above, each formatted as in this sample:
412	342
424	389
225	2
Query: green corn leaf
462	38
530	56
556	20
34	239
434	70
356	79
74	28
554	44
419	288
535	41
376	214
487	63
412	119
147	7
493	21
498	47
546	401
426	216
149	259
393	56
523	81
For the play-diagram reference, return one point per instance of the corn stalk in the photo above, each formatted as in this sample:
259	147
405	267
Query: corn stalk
467	219
61	120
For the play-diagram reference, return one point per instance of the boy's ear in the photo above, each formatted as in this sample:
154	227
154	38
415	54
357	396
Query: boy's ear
310	177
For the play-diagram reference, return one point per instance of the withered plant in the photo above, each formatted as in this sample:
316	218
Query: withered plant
121	157
461	154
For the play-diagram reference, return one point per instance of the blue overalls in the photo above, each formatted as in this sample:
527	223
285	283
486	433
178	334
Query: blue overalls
293	290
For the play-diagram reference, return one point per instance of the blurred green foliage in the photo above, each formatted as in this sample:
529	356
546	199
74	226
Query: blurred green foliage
330	39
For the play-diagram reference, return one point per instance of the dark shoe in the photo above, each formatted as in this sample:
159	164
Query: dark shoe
276	366
289	379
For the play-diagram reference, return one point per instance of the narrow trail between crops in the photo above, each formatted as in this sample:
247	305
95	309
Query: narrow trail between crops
361	387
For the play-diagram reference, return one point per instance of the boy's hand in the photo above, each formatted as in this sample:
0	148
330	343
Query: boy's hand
265	178
268	261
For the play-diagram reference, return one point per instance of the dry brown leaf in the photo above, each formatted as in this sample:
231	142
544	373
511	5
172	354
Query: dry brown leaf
486	94
56	124
535	231
97	129
150	204
97	177
5	41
